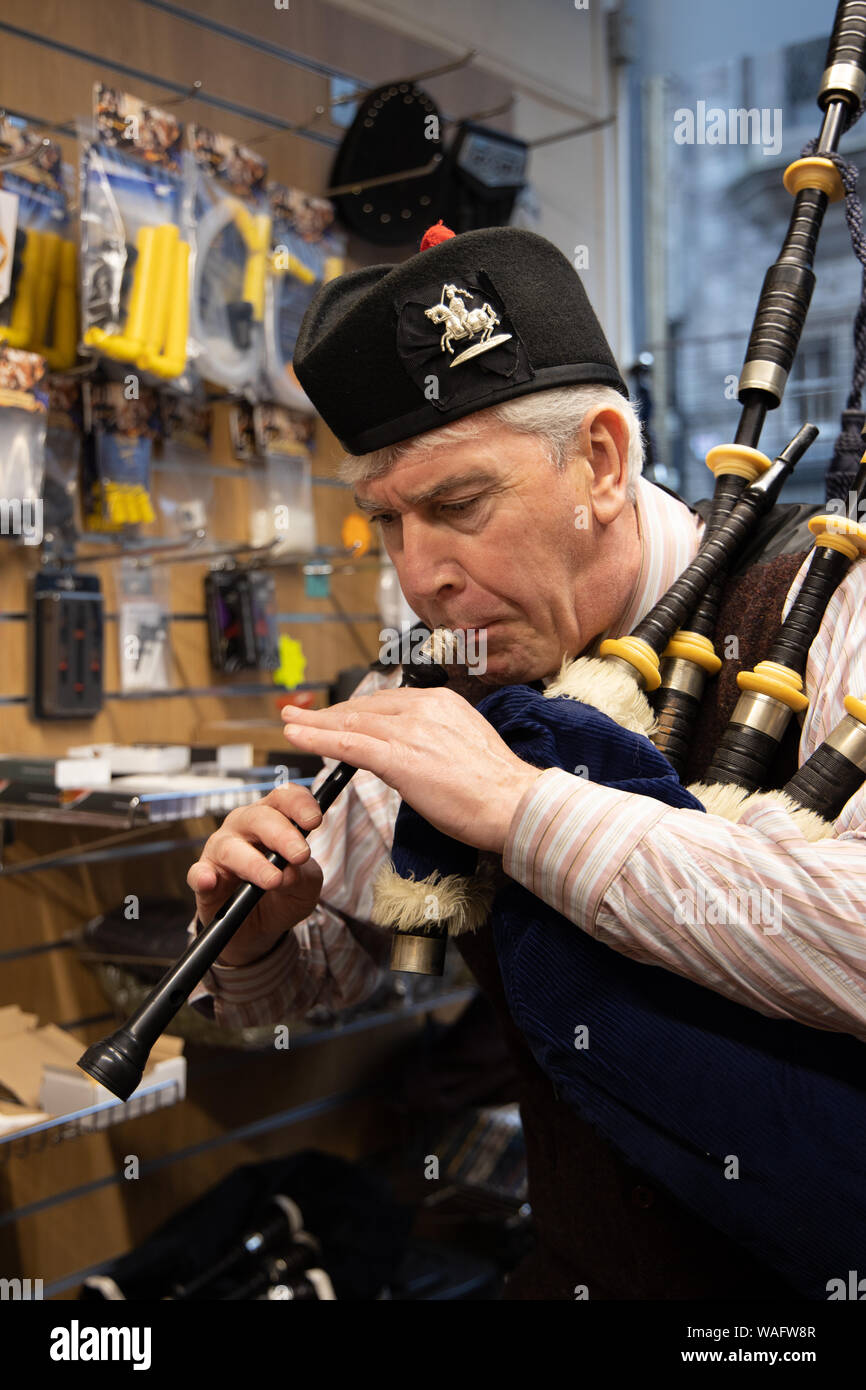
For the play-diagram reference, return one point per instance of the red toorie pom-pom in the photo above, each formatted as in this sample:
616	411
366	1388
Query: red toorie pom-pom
434	235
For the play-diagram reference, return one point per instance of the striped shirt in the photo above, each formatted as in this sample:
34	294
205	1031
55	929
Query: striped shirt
750	910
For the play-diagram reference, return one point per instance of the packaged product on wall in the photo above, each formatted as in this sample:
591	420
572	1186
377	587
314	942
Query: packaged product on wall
23	413
281	481
181	469
231	229
135	259
38	256
62	511
242	431
242	620
143	609
306	251
116	455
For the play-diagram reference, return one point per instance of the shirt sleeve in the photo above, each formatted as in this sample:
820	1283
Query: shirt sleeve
751	910
318	961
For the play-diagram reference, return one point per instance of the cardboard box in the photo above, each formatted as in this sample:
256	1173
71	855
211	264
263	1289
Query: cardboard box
39	1078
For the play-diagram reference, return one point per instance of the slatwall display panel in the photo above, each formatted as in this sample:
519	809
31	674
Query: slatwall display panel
69	1207
328	644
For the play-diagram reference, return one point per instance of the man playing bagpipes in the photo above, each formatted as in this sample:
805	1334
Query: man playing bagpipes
694	1130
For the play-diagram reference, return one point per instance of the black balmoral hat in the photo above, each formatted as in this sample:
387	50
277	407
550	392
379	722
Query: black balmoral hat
390	351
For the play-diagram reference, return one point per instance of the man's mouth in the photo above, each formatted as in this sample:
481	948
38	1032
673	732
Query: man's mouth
474	627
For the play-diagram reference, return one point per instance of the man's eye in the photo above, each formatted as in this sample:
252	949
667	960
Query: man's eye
387	518
459	506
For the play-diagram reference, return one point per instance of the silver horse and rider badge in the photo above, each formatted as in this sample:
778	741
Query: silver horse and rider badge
460	322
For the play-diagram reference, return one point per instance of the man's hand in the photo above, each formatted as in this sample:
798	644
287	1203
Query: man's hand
236	853
433	748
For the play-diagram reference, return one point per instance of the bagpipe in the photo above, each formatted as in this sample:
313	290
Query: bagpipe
681	1080
755	1124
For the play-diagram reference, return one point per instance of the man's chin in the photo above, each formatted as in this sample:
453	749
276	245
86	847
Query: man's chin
503	668
493	659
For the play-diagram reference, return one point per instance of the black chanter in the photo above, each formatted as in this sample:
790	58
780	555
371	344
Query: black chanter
118	1061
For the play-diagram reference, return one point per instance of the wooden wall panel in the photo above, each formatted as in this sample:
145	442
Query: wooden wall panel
77	1218
328	646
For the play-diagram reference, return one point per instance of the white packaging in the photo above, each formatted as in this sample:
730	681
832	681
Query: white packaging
82	772
234	755
64	1093
137	757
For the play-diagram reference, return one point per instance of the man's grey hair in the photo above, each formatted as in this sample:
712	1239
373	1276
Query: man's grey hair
554	416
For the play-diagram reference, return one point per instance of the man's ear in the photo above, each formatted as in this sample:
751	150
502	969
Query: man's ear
605	441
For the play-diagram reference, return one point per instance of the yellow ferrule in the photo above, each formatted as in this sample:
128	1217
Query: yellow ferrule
856	708
814	172
693	646
839	533
638	654
738	460
780	682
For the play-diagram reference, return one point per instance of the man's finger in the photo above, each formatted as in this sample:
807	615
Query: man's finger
209	881
344	718
202	877
297	803
381	701
282	803
360	750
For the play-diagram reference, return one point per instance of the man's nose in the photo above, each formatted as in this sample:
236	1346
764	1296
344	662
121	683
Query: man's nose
427	564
